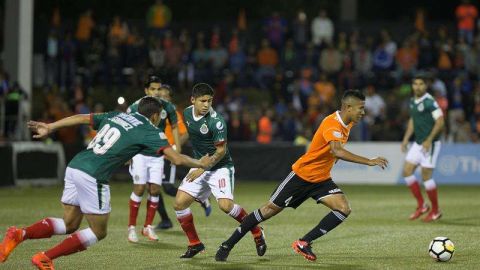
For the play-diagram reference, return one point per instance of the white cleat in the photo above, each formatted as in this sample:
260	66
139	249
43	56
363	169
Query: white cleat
149	232
132	235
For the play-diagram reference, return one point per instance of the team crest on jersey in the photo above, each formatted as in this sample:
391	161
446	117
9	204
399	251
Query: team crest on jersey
219	125
163	114
162	136
420	107
204	129
337	134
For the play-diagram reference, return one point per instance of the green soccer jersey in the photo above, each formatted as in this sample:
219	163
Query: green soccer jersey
205	132
424	111
120	137
168	112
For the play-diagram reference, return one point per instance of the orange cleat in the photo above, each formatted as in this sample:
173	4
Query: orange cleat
432	216
303	248
42	262
419	212
12	238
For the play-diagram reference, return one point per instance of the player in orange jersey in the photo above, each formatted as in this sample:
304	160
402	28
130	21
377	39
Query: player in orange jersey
310	178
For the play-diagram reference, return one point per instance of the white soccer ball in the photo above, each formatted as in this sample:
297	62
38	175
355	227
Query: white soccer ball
441	249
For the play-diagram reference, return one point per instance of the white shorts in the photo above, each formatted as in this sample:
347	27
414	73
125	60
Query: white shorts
83	190
416	155
220	183
146	169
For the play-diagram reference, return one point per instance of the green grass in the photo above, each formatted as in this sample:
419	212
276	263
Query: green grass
377	235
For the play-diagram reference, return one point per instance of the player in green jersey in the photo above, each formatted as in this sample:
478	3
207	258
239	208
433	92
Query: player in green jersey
208	135
147	170
425	123
86	192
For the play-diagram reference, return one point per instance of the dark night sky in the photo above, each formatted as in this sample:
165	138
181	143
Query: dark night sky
211	10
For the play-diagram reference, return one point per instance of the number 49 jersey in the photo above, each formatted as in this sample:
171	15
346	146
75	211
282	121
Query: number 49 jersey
120	137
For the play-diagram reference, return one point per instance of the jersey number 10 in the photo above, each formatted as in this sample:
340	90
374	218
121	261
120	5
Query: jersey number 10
105	139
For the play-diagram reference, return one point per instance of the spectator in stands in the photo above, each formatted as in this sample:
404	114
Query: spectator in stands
288	58
156	55
265	127
374	106
331	60
51	60
325	89
466	17
118	30
267	61
83	34
158	18
68	51
322	29
218	57
407	59
201	59
275	28
300	29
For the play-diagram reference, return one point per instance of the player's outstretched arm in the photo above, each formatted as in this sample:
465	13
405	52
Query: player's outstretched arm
42	130
184	160
407	135
341	153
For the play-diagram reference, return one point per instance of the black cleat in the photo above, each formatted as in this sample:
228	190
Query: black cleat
305	249
222	253
260	243
164	225
193	250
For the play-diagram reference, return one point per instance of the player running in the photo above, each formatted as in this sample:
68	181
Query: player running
310	178
171	169
208	134
86	191
426	122
148	169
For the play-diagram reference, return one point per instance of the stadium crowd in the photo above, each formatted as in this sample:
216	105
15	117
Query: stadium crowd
276	84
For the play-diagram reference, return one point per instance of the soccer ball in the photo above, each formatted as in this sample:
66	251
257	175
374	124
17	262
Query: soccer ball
441	249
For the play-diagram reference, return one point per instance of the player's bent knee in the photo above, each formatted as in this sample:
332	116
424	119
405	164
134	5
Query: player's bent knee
225	205
154	190
345	209
269	210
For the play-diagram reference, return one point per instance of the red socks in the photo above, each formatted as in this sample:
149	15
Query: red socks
185	218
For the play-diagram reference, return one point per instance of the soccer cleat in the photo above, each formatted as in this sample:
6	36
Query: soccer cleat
193	250
132	234
223	252
150	233
303	248
207	207
164	225
260	243
12	238
432	216
42	262
419	211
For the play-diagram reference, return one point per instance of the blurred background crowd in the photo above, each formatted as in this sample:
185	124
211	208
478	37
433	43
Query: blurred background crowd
279	75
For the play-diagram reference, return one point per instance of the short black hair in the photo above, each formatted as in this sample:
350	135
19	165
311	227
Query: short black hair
166	86
202	89
149	106
420	77
152	79
353	93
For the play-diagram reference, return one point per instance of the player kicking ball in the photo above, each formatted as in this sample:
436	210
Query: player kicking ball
86	191
208	134
310	178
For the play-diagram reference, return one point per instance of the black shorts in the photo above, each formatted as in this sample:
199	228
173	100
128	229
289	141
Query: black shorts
293	191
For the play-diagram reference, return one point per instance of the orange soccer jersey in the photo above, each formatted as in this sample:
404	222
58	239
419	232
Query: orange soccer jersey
182	129
315	165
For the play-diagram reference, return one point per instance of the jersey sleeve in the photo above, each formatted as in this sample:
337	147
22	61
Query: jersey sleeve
171	113
435	110
219	130
332	132
155	142
97	118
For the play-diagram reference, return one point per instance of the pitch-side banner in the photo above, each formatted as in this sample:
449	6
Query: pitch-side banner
457	164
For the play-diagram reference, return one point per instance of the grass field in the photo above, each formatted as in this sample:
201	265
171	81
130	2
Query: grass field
377	235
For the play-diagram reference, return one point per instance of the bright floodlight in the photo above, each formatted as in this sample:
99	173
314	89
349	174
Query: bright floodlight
120	100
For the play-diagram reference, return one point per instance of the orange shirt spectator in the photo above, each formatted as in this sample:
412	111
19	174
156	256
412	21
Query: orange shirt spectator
84	27
326	90
182	129
265	130
466	15
407	57
118	30
444	61
267	57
